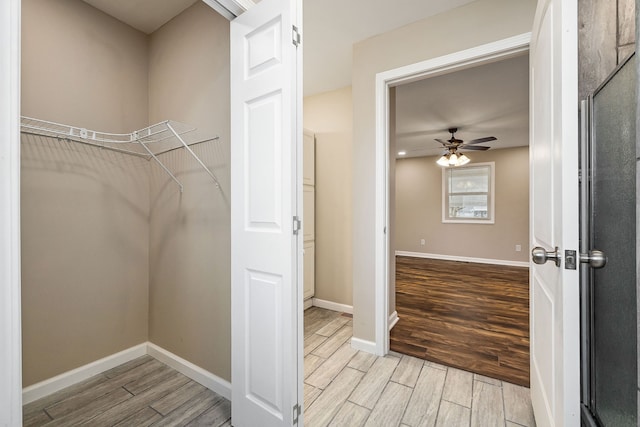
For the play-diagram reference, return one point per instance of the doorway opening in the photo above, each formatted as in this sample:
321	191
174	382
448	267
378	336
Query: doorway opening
386	87
458	232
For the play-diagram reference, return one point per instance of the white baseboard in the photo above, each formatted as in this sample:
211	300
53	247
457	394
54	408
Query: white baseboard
207	379
66	379
308	303
393	319
196	373
464	259
364	345
330	305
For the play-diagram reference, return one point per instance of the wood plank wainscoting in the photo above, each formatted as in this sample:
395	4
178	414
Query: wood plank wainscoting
469	316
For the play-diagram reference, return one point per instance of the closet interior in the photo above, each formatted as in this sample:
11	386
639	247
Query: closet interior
125	233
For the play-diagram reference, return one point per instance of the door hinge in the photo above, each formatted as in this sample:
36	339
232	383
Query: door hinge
296	36
297	225
296	413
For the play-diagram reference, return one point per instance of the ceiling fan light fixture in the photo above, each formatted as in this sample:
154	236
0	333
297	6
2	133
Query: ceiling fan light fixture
451	156
453	159
463	160
443	161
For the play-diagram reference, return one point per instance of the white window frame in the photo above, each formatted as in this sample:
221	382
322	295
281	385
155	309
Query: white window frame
491	203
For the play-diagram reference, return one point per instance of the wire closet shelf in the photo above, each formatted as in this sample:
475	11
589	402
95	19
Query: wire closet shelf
147	143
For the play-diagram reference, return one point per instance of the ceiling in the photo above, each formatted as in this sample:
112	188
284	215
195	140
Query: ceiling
330	27
488	100
144	15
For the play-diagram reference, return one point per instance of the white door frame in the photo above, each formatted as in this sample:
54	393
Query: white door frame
10	303
490	52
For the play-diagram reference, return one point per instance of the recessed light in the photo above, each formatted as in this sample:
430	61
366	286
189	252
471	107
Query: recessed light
402	153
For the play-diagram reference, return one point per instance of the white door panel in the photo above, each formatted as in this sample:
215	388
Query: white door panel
554	293
265	198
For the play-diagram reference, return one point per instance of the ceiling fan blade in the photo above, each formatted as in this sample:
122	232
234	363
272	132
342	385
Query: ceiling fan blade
481	140
441	141
474	147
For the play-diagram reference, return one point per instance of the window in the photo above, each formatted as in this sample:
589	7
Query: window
468	194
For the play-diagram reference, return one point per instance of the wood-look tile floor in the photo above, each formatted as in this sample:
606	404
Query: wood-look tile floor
342	387
466	315
347	387
143	392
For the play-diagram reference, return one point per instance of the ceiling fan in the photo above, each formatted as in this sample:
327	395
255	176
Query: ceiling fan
451	156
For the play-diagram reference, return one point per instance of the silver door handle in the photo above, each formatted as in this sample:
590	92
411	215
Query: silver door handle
595	258
541	255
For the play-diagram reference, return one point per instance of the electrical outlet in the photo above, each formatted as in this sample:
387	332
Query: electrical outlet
422	242
518	248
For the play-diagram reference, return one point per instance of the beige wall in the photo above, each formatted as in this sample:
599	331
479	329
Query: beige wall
329	112
479	22
190	266
84	211
330	116
82	67
419	209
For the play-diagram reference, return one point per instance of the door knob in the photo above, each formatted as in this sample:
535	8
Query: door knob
595	258
541	255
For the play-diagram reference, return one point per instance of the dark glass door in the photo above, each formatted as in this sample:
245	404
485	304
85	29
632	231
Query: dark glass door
610	382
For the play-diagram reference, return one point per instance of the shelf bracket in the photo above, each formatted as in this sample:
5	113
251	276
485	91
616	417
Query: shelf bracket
211	174
162	164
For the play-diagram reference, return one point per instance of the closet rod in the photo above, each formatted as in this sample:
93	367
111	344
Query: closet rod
119	150
92	144
190	144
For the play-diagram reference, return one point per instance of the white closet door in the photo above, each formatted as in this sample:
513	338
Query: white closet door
266	192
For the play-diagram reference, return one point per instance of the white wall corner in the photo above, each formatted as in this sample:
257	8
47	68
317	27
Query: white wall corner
196	373
308	303
69	378
364	345
330	305
393	319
